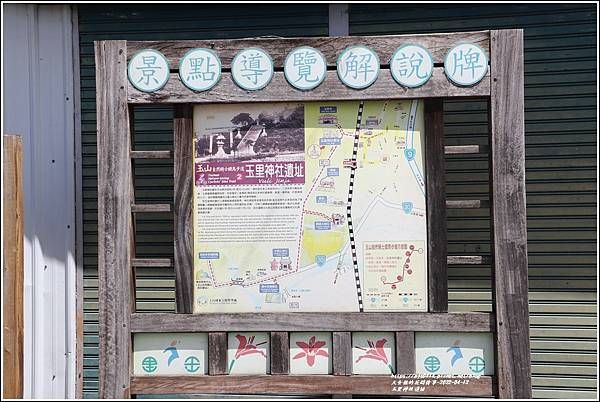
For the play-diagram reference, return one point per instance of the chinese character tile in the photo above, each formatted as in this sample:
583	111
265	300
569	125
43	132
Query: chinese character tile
148	70
252	69
411	65
200	69
466	64
358	67
305	68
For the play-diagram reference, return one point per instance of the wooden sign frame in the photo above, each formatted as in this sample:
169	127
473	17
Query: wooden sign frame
503	87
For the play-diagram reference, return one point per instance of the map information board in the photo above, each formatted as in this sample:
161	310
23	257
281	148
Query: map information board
315	206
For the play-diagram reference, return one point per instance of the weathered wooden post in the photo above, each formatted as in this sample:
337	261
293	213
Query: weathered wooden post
114	219
509	234
12	267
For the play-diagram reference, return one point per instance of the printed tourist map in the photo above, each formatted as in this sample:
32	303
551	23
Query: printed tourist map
316	206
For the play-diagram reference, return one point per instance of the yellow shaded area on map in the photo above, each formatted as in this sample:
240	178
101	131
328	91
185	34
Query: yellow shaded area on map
323	126
326	242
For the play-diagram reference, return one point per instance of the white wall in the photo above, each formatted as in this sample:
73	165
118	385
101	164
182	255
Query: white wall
38	104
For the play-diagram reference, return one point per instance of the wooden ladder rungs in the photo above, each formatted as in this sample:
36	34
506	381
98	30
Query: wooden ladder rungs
465	149
464	204
151	262
468	259
151	154
150	207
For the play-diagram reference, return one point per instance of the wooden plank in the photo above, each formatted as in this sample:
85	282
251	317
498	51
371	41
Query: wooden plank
151	154
467	204
280	353
435	182
468	259
509	233
169	322
114	219
12	267
465	149
182	207
217	353
304	384
342	353
405	352
132	221
279	90
151	262
151	208
438	45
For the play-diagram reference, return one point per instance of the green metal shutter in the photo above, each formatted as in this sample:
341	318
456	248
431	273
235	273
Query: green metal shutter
153	125
560	125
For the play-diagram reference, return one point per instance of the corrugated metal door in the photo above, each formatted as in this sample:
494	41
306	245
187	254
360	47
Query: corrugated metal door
560	125
561	161
153	125
38	90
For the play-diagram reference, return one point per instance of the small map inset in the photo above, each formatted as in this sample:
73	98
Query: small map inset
395	275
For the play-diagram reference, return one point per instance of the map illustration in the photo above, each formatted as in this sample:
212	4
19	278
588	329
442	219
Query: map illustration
310	207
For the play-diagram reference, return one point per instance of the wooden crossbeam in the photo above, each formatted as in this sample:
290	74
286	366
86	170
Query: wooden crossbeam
304	384
279	90
437	44
467	204
151	154
151	262
468	259
344	322
465	149
151	208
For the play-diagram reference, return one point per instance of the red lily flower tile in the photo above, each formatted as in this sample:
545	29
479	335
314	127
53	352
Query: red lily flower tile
373	353
248	353
310	353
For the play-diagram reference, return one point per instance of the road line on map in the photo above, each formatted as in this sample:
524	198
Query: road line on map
270	278
304	206
356	273
410	134
349	211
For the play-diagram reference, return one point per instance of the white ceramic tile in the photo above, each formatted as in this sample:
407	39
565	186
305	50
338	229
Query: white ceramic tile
373	353
248	353
310	352
454	353
170	353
